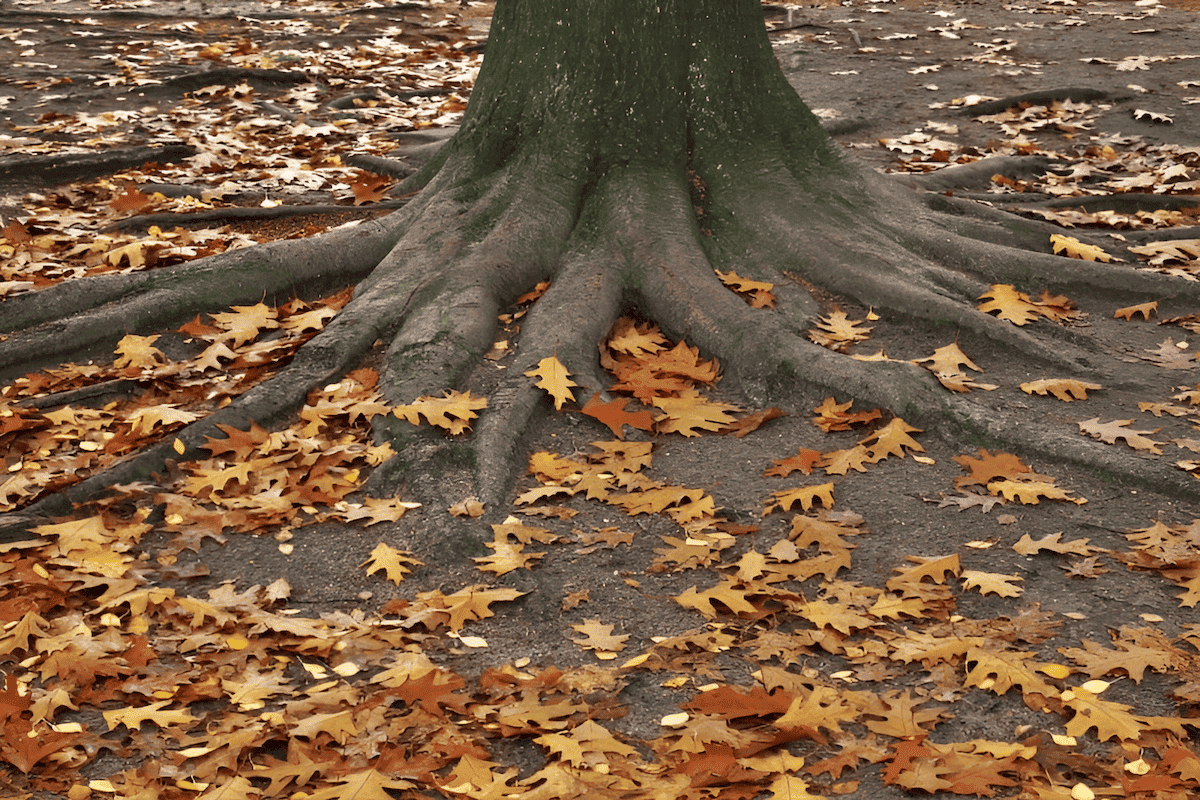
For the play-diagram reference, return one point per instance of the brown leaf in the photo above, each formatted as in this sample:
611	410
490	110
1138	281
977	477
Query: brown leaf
614	415
837	331
1147	310
1065	389
806	496
1110	432
599	637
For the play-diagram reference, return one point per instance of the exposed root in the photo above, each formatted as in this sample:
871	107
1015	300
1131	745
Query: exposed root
49	170
324	358
224	216
975	173
1079	94
636	233
71	318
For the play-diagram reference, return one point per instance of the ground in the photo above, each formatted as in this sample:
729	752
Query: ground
873	71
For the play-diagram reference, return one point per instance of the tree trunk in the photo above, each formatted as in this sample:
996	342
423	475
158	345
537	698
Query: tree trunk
676	84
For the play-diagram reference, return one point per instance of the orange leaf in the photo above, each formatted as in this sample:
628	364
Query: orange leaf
806	496
1147	310
614	415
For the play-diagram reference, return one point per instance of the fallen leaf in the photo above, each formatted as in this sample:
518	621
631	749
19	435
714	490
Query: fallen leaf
554	378
1147	310
992	583
1065	389
1074	248
1110	432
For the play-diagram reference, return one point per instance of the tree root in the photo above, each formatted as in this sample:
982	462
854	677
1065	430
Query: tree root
975	173
632	237
1039	98
225	216
51	170
77	316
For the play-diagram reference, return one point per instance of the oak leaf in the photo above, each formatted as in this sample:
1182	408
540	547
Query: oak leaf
804	462
934	569
1147	310
992	583
1171	355
369	188
789	787
756	293
154	713
1009	304
144	420
1132	659
1065	389
634	339
507	556
744	426
376	510
892	440
1029	492
554	378
731	594
452	412
834	416
1001	670
837	331
806	496
614	415
1073	248
244	323
1110	432
1052	542
599	637
946	363
899	714
691	412
988	467
1111	720
394	563
138	352
367	784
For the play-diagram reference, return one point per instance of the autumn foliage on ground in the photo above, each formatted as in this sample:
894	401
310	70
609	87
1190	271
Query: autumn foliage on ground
801	677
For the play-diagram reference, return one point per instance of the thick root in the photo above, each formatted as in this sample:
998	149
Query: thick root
74	317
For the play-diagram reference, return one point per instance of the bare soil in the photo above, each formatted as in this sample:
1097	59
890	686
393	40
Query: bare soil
850	64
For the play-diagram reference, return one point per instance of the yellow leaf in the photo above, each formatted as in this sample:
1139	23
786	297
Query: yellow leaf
244	323
393	562
555	379
1009	304
452	412
133	718
992	583
691	410
1074	248
837	331
138	351
1065	389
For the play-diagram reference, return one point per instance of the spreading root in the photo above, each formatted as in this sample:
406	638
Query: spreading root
432	277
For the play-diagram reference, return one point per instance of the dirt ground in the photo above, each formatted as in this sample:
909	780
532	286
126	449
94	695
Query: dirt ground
872	71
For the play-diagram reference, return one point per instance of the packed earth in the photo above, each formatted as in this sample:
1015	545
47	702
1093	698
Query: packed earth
687	594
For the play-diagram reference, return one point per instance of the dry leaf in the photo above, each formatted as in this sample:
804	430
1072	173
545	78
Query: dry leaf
1073	248
1110	432
1147	310
1065	389
554	378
